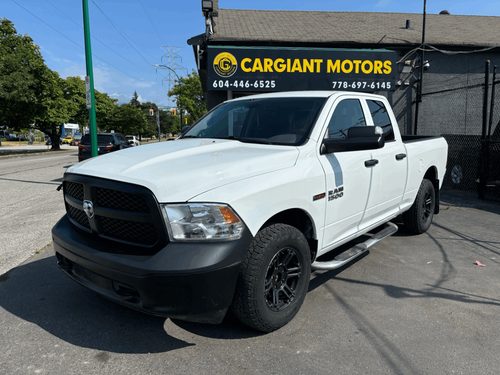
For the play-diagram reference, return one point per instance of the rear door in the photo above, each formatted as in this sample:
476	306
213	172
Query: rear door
389	183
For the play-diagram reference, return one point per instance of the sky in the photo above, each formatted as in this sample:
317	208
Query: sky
129	36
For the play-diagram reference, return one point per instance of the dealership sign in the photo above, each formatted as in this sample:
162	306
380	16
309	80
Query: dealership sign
286	69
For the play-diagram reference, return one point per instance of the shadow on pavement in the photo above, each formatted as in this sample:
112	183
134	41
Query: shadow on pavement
38	292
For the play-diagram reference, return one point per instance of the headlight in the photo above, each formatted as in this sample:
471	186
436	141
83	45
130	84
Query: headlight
198	221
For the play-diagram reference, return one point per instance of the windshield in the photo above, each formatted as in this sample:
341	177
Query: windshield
286	121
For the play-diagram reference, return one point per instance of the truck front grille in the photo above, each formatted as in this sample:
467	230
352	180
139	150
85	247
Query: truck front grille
120	200
125	214
74	189
144	233
79	216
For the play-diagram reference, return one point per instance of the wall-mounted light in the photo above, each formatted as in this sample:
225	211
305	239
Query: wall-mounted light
207	6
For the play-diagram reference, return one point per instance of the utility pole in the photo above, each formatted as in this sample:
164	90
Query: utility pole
421	75
89	79
158	124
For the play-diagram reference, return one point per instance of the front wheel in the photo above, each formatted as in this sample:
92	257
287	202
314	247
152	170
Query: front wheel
419	217
273	278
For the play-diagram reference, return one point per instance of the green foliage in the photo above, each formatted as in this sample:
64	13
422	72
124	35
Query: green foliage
26	84
190	97
135	99
128	119
74	93
34	97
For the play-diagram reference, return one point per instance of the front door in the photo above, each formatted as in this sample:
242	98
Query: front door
348	179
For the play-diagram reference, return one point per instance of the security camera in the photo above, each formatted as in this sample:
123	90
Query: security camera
426	65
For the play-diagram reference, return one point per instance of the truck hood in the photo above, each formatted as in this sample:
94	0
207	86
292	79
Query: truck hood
179	170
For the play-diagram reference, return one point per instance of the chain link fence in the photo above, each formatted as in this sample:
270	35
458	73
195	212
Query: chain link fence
458	102
491	185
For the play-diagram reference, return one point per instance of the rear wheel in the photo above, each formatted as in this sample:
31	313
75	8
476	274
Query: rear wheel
457	174
419	217
273	279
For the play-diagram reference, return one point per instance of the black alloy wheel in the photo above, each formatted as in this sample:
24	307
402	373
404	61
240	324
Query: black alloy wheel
273	279
419	217
282	277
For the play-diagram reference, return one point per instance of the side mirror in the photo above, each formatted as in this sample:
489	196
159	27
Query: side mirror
358	139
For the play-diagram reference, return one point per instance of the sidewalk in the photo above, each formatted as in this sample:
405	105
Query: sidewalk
32	148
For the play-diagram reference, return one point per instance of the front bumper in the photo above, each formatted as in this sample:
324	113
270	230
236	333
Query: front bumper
187	281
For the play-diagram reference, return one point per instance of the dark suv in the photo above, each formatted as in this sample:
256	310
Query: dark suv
106	142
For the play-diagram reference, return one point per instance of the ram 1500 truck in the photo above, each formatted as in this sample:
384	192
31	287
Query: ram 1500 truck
237	211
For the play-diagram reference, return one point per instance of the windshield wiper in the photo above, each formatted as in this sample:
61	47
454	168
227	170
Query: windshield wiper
188	136
253	140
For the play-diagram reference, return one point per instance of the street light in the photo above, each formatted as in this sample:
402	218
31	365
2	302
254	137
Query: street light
180	84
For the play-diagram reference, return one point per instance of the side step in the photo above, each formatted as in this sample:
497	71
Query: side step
357	250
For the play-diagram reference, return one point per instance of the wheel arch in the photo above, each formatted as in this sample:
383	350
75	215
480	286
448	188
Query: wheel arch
432	176
301	220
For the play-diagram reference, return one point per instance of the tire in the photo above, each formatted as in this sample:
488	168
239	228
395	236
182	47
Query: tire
273	278
457	174
419	217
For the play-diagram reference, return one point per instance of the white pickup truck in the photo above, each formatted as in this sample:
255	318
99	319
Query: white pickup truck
238	210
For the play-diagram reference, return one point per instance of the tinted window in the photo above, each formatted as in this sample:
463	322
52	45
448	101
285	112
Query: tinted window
381	118
100	139
120	138
347	114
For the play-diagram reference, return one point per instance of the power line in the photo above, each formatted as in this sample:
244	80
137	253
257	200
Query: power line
72	41
94	37
125	36
152	23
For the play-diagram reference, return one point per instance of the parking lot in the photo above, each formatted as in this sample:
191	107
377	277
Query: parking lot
412	305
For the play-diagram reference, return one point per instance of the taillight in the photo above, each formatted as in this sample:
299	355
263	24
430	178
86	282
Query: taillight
109	147
82	147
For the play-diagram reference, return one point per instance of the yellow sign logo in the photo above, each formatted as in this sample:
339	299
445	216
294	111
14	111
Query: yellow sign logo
225	64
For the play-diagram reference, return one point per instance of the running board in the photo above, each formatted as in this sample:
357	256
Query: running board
357	250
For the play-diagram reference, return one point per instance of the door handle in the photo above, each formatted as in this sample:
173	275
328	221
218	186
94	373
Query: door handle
400	156
370	163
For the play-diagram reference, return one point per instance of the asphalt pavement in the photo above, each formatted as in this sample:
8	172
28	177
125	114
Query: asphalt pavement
412	305
30	205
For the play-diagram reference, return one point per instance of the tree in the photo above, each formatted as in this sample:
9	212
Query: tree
74	93
56	113
135	99
128	119
190	97
27	86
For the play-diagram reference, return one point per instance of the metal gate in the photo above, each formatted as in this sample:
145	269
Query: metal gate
469	119
489	177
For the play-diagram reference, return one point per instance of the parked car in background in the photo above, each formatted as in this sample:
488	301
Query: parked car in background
76	139
106	142
133	140
67	139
